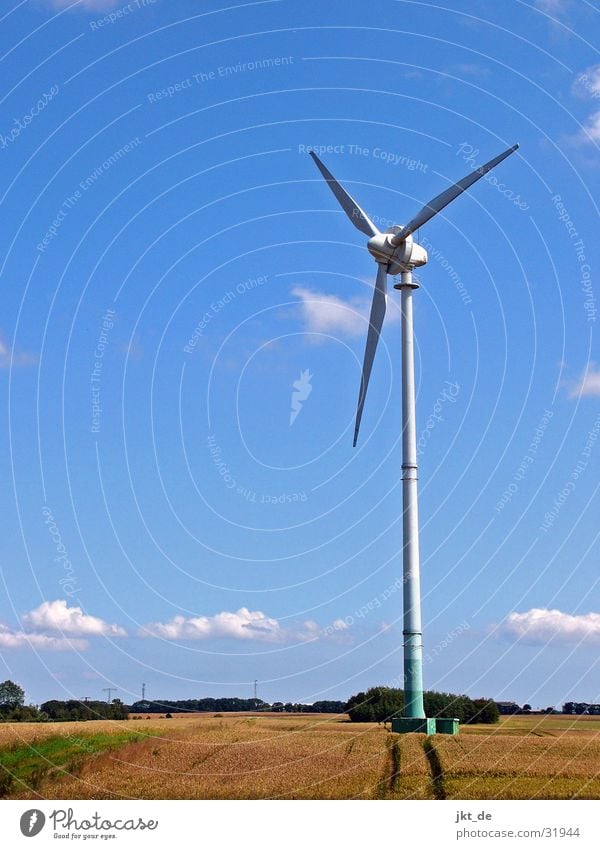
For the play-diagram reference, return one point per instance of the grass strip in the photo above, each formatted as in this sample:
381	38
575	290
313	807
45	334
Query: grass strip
28	764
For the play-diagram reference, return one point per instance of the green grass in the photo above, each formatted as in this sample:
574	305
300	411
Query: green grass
28	764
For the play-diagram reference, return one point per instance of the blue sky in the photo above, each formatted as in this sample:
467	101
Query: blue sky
183	325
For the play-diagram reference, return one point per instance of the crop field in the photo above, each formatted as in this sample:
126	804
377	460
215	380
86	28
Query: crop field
287	756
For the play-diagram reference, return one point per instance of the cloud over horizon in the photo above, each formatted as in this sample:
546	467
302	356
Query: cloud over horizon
57	616
242	624
11	639
540	625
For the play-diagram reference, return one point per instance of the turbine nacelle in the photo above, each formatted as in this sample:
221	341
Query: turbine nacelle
403	257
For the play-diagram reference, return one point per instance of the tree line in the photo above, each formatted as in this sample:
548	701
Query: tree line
229	705
380	704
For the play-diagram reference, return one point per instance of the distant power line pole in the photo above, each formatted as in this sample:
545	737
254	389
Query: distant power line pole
255	691
109	690
143	692
85	699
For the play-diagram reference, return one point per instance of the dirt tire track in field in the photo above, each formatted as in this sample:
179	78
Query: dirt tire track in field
435	766
390	777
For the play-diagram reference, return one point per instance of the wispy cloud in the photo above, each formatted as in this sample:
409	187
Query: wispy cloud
85	5
242	624
587	384
587	84
10	639
58	616
328	314
590	132
552	7
469	69
12	359
540	625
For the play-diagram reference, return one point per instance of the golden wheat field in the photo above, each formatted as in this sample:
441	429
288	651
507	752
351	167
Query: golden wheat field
298	757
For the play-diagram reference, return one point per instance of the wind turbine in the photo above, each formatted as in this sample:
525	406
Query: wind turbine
396	252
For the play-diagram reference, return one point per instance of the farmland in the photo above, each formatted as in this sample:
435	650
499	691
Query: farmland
289	756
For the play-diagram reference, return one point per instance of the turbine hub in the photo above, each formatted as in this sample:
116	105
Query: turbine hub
400	258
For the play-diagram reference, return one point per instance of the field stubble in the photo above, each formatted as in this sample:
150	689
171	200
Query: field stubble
315	757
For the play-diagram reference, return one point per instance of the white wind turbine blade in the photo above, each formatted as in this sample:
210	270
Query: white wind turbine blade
375	324
438	203
357	216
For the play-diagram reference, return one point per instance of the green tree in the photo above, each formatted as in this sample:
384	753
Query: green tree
11	695
380	704
376	705
486	711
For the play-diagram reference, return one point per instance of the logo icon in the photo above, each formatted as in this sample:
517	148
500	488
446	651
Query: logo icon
302	389
32	822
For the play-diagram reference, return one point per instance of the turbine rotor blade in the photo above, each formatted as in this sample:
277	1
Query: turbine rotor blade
438	203
357	216
375	324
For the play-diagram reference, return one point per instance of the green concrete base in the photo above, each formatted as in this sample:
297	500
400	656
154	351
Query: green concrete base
413	725
430	725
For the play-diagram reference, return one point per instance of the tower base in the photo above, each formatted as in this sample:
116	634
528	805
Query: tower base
428	725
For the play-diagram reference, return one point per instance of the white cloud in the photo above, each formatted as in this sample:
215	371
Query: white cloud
10	639
591	131
587	137
540	625
10	358
587	84
243	624
588	383
57	616
329	314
